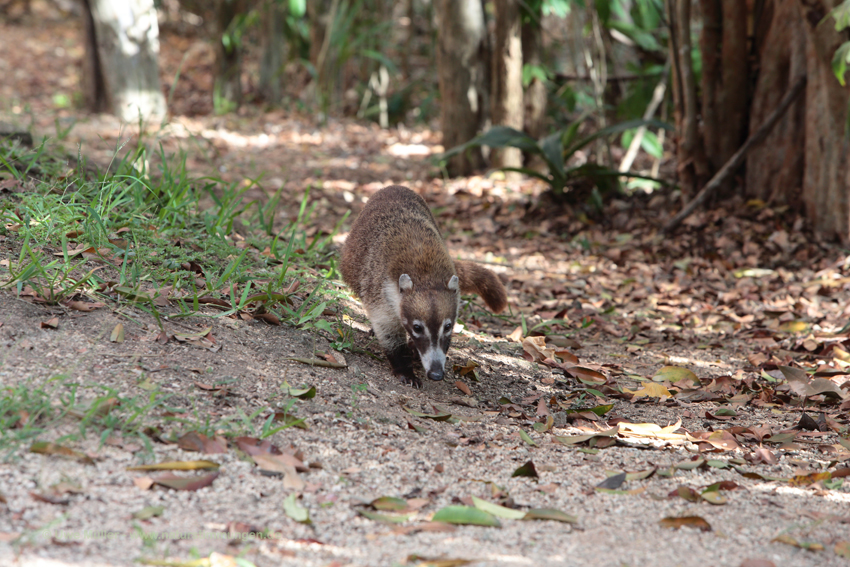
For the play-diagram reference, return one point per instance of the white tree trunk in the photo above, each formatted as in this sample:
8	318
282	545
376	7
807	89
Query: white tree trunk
126	35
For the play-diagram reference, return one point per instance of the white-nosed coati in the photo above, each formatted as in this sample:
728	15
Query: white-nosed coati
396	262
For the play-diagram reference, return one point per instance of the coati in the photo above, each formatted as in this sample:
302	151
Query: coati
396	262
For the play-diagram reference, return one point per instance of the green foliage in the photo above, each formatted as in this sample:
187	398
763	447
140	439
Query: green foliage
556	150
841	14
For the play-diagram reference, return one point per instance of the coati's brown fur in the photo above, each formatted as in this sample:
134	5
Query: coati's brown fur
396	262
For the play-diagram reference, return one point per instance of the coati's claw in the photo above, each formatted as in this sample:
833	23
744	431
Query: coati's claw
411	380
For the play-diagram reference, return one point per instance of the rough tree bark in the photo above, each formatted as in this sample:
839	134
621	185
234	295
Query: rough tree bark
805	161
535	95
121	71
693	167
507	106
725	77
775	168
462	67
826	177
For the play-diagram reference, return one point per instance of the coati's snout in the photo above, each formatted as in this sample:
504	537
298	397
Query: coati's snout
428	316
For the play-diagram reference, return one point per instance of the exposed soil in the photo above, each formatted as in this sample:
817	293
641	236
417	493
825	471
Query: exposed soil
632	300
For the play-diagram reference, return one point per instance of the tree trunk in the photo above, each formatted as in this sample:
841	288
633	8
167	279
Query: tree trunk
462	66
804	162
227	94
775	167
318	12
507	77
725	76
693	168
535	96
273	52
121	72
826	177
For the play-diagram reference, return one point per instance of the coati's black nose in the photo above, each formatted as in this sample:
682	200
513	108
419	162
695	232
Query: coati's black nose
435	372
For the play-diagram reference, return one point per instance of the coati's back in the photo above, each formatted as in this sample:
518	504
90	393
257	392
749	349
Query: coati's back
394	235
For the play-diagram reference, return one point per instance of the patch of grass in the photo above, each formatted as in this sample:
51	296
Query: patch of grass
149	230
165	243
29	412
64	410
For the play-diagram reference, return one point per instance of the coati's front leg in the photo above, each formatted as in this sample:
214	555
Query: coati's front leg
401	360
393	338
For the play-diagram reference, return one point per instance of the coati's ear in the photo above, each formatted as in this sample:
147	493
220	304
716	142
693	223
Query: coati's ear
453	284
405	283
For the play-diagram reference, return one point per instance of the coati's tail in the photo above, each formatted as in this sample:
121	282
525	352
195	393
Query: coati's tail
478	279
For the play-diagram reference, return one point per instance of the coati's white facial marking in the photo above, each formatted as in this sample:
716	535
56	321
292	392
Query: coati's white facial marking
419	329
428	317
446	329
434	362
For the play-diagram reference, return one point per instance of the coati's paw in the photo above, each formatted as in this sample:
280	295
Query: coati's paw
401	361
411	380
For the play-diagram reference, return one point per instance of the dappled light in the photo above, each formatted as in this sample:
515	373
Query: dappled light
606	325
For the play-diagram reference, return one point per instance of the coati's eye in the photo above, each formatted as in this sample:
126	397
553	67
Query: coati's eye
448	327
418	328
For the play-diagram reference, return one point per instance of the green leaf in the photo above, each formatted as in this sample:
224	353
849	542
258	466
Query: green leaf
382	59
642	37
529	172
553	153
602	410
714	497
149	512
675	374
531	72
295	510
689	465
651	145
465	515
385	518
389	504
528	469
527	438
497	137
841	13
615	129
550	514
496	510
298	7
302	393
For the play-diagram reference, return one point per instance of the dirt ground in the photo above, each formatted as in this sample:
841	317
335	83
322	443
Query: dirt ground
648	302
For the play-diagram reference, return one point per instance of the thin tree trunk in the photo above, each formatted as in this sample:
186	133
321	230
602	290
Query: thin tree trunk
535	94
123	74
462	66
273	52
690	155
94	86
228	80
507	77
